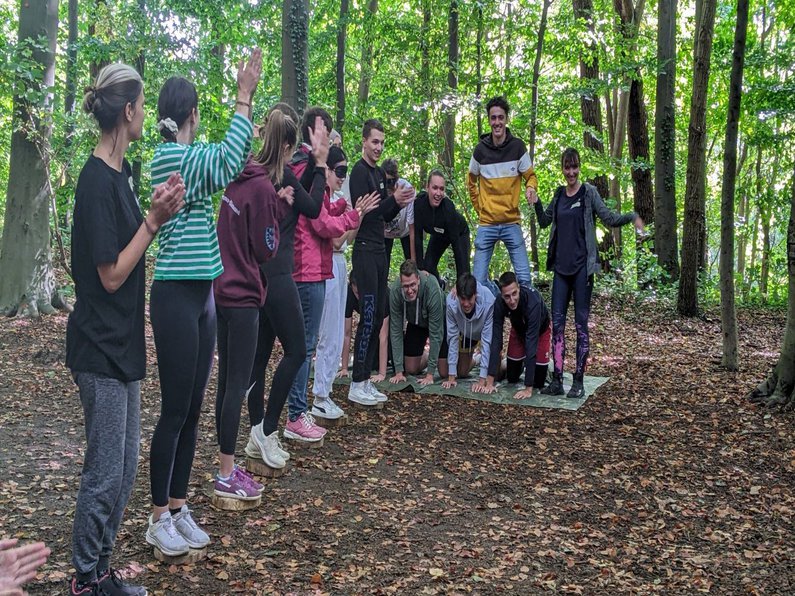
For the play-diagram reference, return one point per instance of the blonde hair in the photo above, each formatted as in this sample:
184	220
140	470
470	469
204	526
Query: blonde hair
116	86
279	130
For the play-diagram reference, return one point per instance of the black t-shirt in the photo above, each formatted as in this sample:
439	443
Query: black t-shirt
571	253
364	180
105	332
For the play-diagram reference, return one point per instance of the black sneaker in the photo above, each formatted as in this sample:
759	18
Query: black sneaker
577	391
112	584
78	589
555	387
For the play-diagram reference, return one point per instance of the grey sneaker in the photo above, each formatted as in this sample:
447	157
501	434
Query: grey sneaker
257	437
359	394
163	535
189	530
324	407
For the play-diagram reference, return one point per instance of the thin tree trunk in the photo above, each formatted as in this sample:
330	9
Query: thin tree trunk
367	55
665	227
295	53
140	66
342	33
71	72
448	128
694	222
727	296
27	280
531	144
425	78
638	146
478	69
742	217
764	273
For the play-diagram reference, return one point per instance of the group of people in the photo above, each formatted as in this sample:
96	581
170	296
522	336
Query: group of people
273	258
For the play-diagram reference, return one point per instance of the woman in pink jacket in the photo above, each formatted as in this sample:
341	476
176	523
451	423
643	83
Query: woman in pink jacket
313	266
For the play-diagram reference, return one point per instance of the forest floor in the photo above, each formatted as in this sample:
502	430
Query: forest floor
666	481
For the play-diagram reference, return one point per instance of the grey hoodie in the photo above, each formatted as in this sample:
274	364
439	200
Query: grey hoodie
478	327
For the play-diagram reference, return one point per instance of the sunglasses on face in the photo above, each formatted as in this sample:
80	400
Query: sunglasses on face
341	171
391	182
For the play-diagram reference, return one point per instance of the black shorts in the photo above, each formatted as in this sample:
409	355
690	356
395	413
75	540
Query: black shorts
467	345
415	339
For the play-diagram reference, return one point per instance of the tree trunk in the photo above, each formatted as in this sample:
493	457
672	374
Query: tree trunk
295	53
694	222
342	33
71	72
665	229
742	217
727	298
448	127
764	273
591	108
27	280
777	389
425	80
97	64
478	70
140	66
531	144
638	145
367	55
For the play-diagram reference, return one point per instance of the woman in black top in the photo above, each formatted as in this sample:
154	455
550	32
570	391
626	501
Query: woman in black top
105	348
574	257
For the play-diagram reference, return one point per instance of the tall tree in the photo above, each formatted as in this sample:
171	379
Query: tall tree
779	387
448	127
295	53
695	218
727	298
366	63
479	68
665	228
27	281
531	143
71	70
342	33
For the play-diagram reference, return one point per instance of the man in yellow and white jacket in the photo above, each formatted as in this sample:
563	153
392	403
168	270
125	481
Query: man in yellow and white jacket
499	167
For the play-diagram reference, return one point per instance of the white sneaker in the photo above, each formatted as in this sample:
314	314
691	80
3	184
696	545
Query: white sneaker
189	530
268	447
252	450
164	536
359	394
373	390
324	407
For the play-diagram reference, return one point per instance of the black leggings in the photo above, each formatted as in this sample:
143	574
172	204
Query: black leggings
389	243
237	344
580	286
281	317
370	275
436	247
183	322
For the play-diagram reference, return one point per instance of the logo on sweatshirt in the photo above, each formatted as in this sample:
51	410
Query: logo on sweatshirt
270	238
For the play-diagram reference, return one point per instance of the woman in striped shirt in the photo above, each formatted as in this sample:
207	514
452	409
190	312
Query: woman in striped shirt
182	307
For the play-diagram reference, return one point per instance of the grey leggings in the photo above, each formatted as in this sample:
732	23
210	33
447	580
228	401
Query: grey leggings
112	411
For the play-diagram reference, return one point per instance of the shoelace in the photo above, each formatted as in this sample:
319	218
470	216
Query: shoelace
171	530
189	519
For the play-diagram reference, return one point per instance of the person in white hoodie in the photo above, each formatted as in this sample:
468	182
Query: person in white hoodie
470	318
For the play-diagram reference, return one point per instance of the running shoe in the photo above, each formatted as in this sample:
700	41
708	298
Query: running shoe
163	535
189	530
304	429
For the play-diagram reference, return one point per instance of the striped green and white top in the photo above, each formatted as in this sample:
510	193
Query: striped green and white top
188	244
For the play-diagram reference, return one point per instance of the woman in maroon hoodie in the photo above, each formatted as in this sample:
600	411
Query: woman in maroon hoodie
248	234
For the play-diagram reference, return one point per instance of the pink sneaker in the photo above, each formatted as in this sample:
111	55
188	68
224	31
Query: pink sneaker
304	429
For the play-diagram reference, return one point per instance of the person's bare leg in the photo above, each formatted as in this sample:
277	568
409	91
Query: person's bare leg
413	365
443	368
464	365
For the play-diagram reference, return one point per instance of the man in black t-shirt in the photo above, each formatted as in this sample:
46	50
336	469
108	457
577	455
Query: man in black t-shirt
369	260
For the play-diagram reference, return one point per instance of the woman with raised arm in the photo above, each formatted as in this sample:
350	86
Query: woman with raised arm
105	348
182	307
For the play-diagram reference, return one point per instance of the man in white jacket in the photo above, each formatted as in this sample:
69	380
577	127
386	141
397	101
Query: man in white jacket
470	315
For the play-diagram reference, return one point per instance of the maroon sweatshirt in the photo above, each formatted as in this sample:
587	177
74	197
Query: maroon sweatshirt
248	234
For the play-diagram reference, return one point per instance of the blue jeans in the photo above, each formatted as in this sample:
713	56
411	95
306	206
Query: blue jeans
513	239
313	295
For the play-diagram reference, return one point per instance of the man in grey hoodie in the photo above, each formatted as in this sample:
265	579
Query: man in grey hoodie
470	318
416	301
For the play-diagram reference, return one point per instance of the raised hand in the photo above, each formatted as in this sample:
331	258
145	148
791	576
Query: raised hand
248	75
167	199
318	138
404	195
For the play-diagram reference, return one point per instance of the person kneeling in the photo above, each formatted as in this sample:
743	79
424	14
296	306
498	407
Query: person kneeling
416	300
528	343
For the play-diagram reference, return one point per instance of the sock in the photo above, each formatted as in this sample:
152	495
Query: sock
540	375
173	512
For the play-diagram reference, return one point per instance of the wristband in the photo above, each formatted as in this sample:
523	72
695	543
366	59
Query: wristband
242	103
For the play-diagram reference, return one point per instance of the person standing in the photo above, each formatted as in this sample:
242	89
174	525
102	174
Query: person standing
369	259
573	255
105	346
500	165
182	307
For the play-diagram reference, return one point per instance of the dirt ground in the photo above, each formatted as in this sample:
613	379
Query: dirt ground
666	481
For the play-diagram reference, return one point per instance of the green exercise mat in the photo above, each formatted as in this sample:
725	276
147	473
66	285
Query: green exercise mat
504	394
